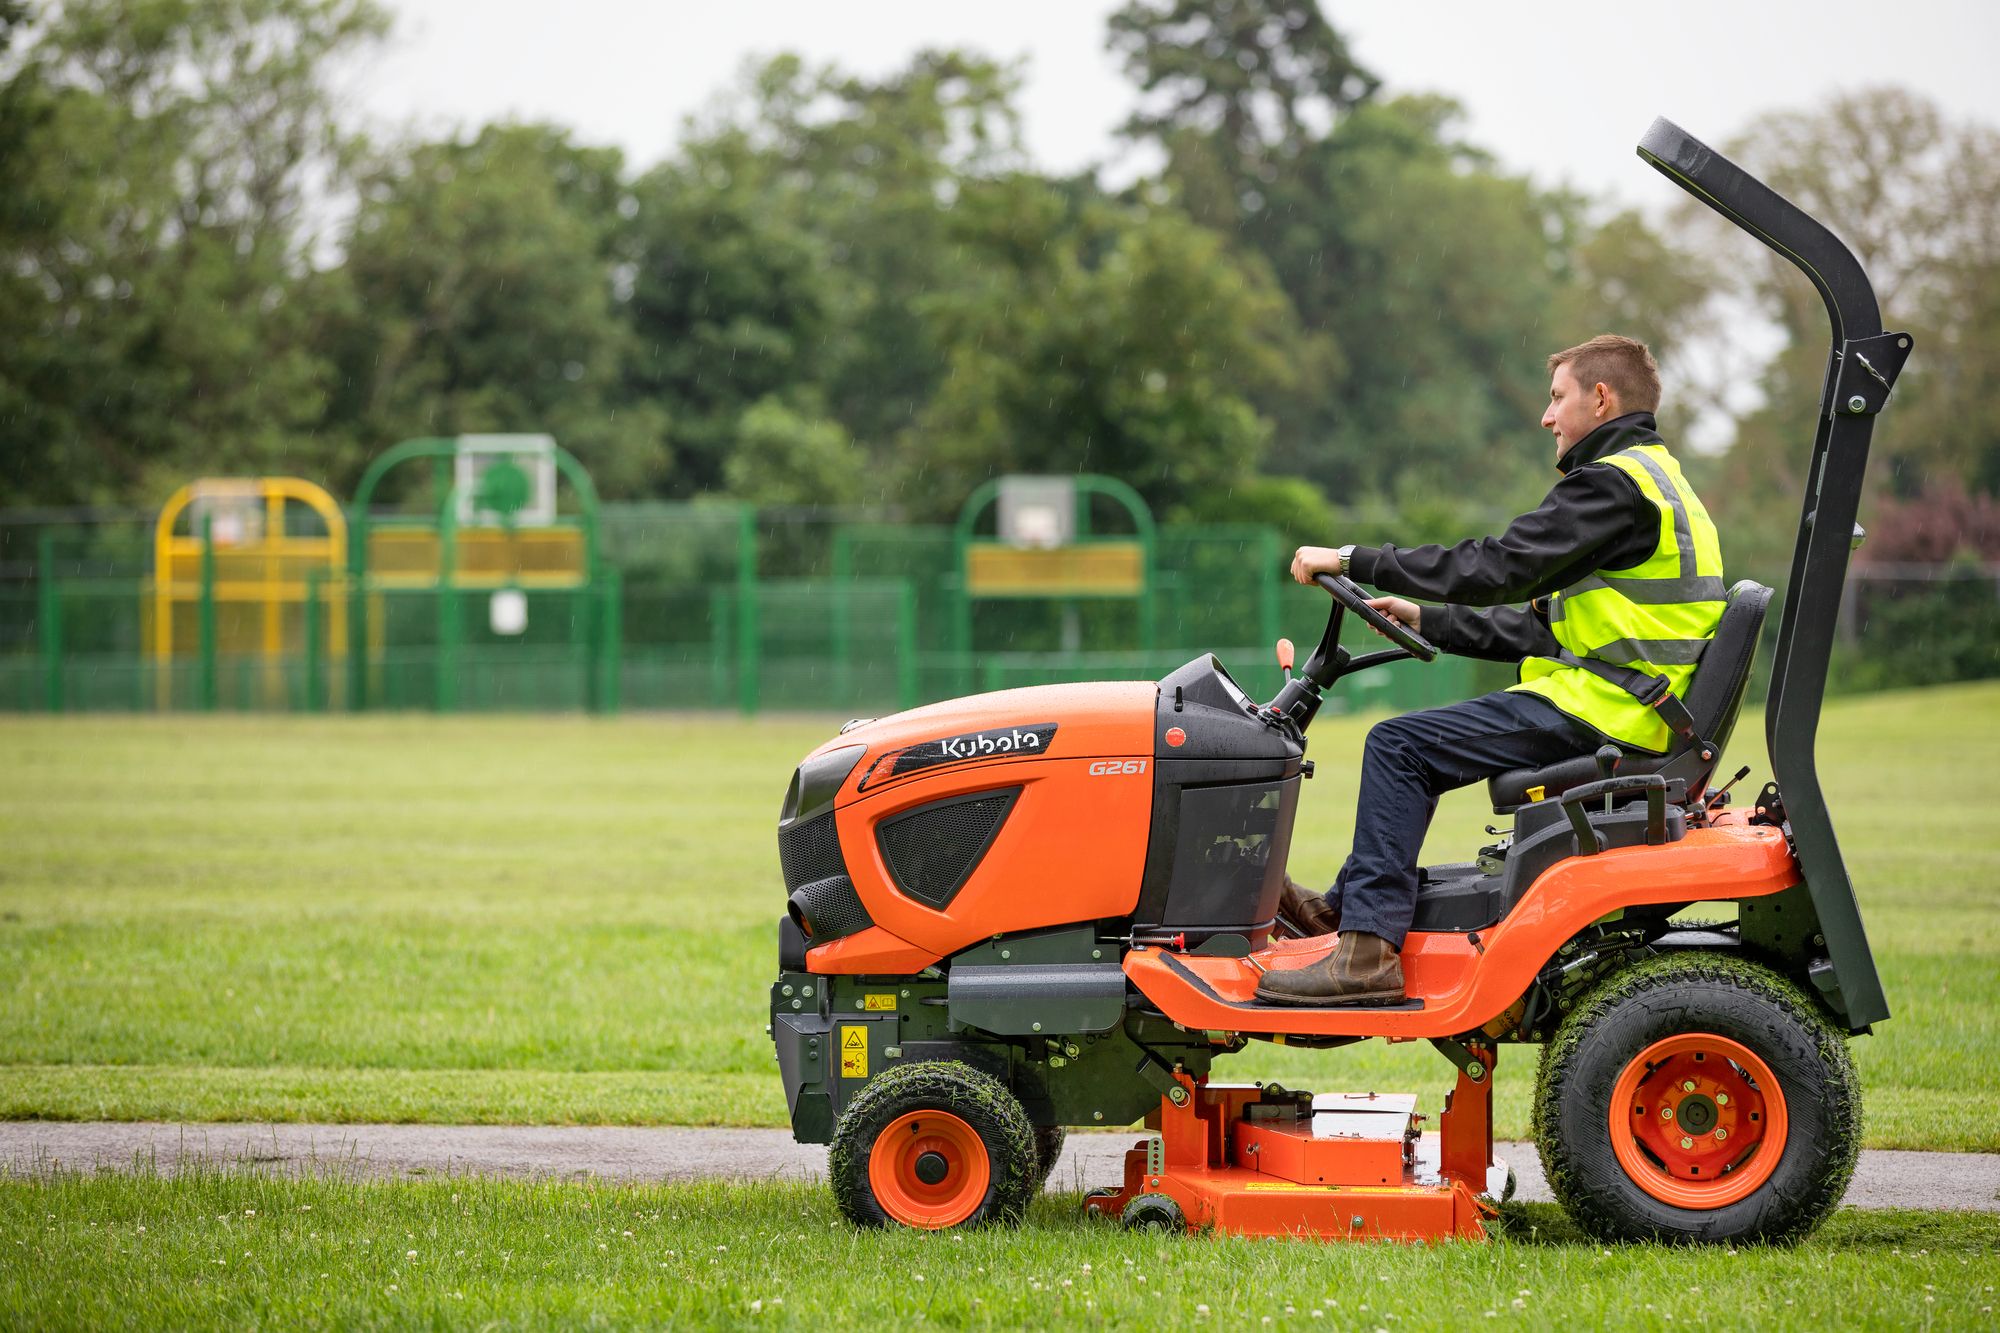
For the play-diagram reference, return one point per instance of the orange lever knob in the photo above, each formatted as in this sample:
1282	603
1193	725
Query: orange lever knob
1286	653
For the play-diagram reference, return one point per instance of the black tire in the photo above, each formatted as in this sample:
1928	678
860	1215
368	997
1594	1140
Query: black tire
1700	997
1153	1212
1049	1141
991	1128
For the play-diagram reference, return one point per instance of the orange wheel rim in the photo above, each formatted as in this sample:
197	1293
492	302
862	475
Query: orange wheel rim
1698	1121
929	1169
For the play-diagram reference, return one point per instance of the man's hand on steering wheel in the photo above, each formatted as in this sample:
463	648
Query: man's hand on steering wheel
1407	614
1309	561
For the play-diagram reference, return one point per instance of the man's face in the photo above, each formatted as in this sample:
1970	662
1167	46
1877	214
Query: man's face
1574	411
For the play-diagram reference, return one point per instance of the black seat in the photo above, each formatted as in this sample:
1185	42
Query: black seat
1714	697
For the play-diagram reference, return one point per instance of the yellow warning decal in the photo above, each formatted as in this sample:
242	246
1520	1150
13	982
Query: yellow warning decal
881	1002
853	1052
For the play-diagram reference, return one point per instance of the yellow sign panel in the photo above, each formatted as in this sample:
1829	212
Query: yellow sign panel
853	1052
552	557
881	1002
1095	569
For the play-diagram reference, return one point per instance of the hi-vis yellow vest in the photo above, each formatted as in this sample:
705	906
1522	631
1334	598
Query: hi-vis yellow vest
1655	617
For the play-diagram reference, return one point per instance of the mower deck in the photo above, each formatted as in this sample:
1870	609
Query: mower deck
1261	1161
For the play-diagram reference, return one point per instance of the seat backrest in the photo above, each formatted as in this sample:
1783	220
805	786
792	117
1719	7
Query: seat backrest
1714	698
1715	695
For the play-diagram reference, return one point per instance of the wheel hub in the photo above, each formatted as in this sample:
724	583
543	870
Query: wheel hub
929	1169
1696	1114
1698	1120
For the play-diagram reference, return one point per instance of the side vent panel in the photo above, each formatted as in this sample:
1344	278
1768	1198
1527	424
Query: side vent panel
931	851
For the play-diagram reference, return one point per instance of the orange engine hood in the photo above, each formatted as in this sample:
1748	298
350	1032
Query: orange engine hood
1091	721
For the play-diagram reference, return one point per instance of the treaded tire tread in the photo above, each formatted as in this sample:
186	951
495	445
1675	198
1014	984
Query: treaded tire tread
1049	1140
976	1097
1697	992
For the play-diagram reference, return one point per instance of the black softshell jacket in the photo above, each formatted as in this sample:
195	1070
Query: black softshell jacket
1594	518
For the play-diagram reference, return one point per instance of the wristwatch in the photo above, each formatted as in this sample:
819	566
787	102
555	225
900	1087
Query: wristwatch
1346	553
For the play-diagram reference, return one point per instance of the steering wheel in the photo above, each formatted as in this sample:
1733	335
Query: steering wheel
1349	595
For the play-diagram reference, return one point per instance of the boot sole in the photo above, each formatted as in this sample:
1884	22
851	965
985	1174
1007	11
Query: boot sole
1370	1000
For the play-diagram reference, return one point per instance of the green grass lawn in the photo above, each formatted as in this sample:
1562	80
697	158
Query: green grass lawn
235	1250
537	919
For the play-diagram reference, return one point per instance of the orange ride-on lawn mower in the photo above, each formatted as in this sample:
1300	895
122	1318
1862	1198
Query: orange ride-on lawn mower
1047	907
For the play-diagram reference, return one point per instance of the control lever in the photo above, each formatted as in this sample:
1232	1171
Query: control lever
1286	655
1608	758
1720	796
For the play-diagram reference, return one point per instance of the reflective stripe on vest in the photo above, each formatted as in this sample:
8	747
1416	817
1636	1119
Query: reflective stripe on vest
1656	616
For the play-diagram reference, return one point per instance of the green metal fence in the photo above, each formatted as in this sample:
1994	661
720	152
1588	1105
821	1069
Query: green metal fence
710	606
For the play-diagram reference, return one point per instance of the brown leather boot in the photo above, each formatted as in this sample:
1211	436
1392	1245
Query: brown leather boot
1363	969
1305	913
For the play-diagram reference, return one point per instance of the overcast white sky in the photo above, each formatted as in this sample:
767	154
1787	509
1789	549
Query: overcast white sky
1558	94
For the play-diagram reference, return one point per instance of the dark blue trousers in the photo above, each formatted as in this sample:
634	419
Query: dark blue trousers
1412	760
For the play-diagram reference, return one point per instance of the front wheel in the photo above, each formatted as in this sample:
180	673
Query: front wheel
933	1145
1697	1097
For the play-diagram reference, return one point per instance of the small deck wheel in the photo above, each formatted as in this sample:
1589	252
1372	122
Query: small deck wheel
1154	1212
1697	1097
933	1145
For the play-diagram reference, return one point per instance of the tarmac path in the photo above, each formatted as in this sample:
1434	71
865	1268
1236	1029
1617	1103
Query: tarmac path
1884	1179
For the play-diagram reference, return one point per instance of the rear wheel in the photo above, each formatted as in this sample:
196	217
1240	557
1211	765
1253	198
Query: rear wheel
933	1145
1697	1097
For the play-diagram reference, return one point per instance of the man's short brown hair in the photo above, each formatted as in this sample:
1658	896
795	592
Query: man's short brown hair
1623	365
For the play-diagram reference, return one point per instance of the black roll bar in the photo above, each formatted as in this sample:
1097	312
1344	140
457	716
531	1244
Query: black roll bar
1862	367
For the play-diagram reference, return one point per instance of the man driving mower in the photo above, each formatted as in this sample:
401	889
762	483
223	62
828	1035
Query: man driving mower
1621	571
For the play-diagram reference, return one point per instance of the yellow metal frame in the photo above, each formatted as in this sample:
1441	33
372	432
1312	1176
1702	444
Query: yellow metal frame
264	572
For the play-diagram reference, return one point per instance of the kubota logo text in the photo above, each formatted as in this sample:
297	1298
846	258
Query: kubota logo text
982	743
997	743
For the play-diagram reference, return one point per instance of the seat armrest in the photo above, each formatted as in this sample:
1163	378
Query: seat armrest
1513	789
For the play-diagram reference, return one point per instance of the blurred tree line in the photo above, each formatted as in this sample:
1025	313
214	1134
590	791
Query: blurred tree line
1324	309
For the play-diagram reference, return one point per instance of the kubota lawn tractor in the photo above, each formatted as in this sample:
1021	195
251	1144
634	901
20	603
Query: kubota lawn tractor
1048	907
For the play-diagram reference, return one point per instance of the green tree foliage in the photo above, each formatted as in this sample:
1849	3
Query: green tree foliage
1100	338
160	156
1236	92
477	296
787	457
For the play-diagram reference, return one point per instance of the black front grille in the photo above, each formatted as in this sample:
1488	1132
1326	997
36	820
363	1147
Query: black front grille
810	851
823	899
931	851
